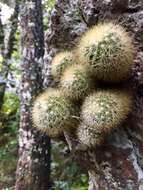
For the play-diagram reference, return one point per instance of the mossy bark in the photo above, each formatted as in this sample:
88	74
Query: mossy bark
118	163
33	169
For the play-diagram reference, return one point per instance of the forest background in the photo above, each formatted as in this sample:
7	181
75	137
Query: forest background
69	178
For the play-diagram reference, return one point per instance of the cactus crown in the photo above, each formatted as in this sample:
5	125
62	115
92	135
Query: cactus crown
108	51
60	62
75	82
105	110
108	48
52	112
89	136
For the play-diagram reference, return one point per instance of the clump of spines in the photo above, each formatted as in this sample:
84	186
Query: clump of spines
104	110
108	52
60	62
89	136
52	113
76	82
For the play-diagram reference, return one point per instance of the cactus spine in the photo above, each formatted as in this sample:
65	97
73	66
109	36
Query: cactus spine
89	136
108	51
104	110
75	82
52	113
60	62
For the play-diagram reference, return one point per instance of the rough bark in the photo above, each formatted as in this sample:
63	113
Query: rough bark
33	170
1	35
7	40
10	3
118	163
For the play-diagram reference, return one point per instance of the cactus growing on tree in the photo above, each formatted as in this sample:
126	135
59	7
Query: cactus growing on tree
60	63
108	51
52	113
89	136
104	110
76	82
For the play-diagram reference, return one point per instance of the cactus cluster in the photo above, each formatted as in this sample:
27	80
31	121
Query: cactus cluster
103	54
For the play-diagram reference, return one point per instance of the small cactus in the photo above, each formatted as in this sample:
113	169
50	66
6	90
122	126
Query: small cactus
75	82
106	109
89	136
108	50
52	113
60	63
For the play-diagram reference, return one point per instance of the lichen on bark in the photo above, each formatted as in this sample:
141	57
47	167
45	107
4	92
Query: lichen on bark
33	169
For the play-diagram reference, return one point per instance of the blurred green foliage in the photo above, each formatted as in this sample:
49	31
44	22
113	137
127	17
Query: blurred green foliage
48	6
1	60
8	161
9	140
9	116
11	103
14	68
65	173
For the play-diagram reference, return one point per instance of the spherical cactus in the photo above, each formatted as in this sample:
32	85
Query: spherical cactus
76	82
60	63
52	113
108	50
89	136
105	110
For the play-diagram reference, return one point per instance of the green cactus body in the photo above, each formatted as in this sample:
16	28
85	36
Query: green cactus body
75	82
60	62
105	110
52	113
89	136
108	50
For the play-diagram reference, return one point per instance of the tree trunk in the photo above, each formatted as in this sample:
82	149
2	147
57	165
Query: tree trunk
118	163
33	170
7	39
1	35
